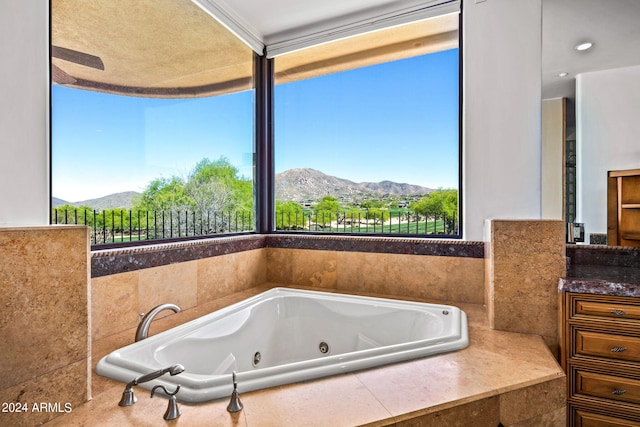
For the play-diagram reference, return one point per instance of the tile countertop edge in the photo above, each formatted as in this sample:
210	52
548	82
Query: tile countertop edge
598	286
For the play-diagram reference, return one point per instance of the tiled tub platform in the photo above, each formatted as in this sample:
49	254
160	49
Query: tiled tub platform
502	377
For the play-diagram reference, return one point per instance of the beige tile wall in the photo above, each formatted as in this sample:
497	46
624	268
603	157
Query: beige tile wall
525	260
44	320
416	276
120	298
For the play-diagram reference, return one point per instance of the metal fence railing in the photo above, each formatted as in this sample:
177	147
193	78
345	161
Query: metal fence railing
398	222
121	226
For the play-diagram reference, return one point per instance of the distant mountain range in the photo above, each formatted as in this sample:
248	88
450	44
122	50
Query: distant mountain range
112	201
298	185
309	184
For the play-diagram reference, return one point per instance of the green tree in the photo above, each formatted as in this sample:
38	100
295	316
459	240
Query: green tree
327	210
68	214
216	186
289	216
355	216
442	203
378	215
212	198
163	194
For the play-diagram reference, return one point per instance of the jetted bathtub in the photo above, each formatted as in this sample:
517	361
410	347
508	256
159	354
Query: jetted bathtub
283	336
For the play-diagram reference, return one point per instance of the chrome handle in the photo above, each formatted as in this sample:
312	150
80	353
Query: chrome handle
618	392
618	349
619	312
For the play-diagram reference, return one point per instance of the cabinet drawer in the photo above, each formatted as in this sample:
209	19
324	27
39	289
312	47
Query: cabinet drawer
607	309
611	346
607	387
588	419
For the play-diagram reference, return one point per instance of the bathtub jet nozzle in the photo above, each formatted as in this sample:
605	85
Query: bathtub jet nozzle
128	397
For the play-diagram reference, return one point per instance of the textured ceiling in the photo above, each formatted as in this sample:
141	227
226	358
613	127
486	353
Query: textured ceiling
149	48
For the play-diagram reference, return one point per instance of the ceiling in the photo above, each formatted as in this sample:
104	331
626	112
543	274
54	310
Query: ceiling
174	48
612	25
164	48
167	48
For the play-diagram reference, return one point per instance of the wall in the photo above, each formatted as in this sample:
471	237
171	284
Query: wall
24	113
501	112
502	88
444	278
553	158
607	129
44	322
525	260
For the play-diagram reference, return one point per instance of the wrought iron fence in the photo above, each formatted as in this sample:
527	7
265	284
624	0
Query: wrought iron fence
121	226
398	222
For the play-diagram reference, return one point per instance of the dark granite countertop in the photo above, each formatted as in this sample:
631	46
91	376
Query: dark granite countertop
605	280
604	270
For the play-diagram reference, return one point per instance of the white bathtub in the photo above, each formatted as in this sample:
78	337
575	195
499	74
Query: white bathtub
284	336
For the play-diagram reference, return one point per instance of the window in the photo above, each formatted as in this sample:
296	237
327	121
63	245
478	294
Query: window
152	121
367	133
154	130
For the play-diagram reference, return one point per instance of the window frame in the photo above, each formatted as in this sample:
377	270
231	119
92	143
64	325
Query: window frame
269	88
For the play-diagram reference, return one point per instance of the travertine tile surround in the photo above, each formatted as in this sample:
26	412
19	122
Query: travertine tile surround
524	262
44	320
501	377
415	276
195	284
120	298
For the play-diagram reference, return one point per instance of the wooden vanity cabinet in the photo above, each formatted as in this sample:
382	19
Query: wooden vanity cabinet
623	208
601	355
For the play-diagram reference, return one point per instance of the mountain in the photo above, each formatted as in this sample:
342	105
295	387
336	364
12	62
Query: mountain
112	201
309	184
298	185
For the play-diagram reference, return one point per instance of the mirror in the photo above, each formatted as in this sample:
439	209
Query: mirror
601	87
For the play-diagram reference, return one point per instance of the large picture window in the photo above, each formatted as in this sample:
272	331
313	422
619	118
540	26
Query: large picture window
367	133
160	130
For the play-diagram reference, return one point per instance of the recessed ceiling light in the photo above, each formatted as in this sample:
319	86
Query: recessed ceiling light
563	74
584	45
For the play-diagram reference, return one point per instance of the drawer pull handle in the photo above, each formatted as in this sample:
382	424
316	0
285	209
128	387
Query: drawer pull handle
619	312
618	392
618	349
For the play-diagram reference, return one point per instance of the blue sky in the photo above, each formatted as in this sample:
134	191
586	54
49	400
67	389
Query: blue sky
354	125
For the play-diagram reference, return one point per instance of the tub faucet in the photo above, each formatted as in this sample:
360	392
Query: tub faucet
143	327
172	411
129	399
235	405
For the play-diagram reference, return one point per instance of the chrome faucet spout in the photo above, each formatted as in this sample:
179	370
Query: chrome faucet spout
143	327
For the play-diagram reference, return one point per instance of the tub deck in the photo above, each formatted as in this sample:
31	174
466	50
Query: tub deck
501	377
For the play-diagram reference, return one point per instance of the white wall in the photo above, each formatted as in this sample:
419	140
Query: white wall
553	158
501	159
24	90
607	137
502	92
